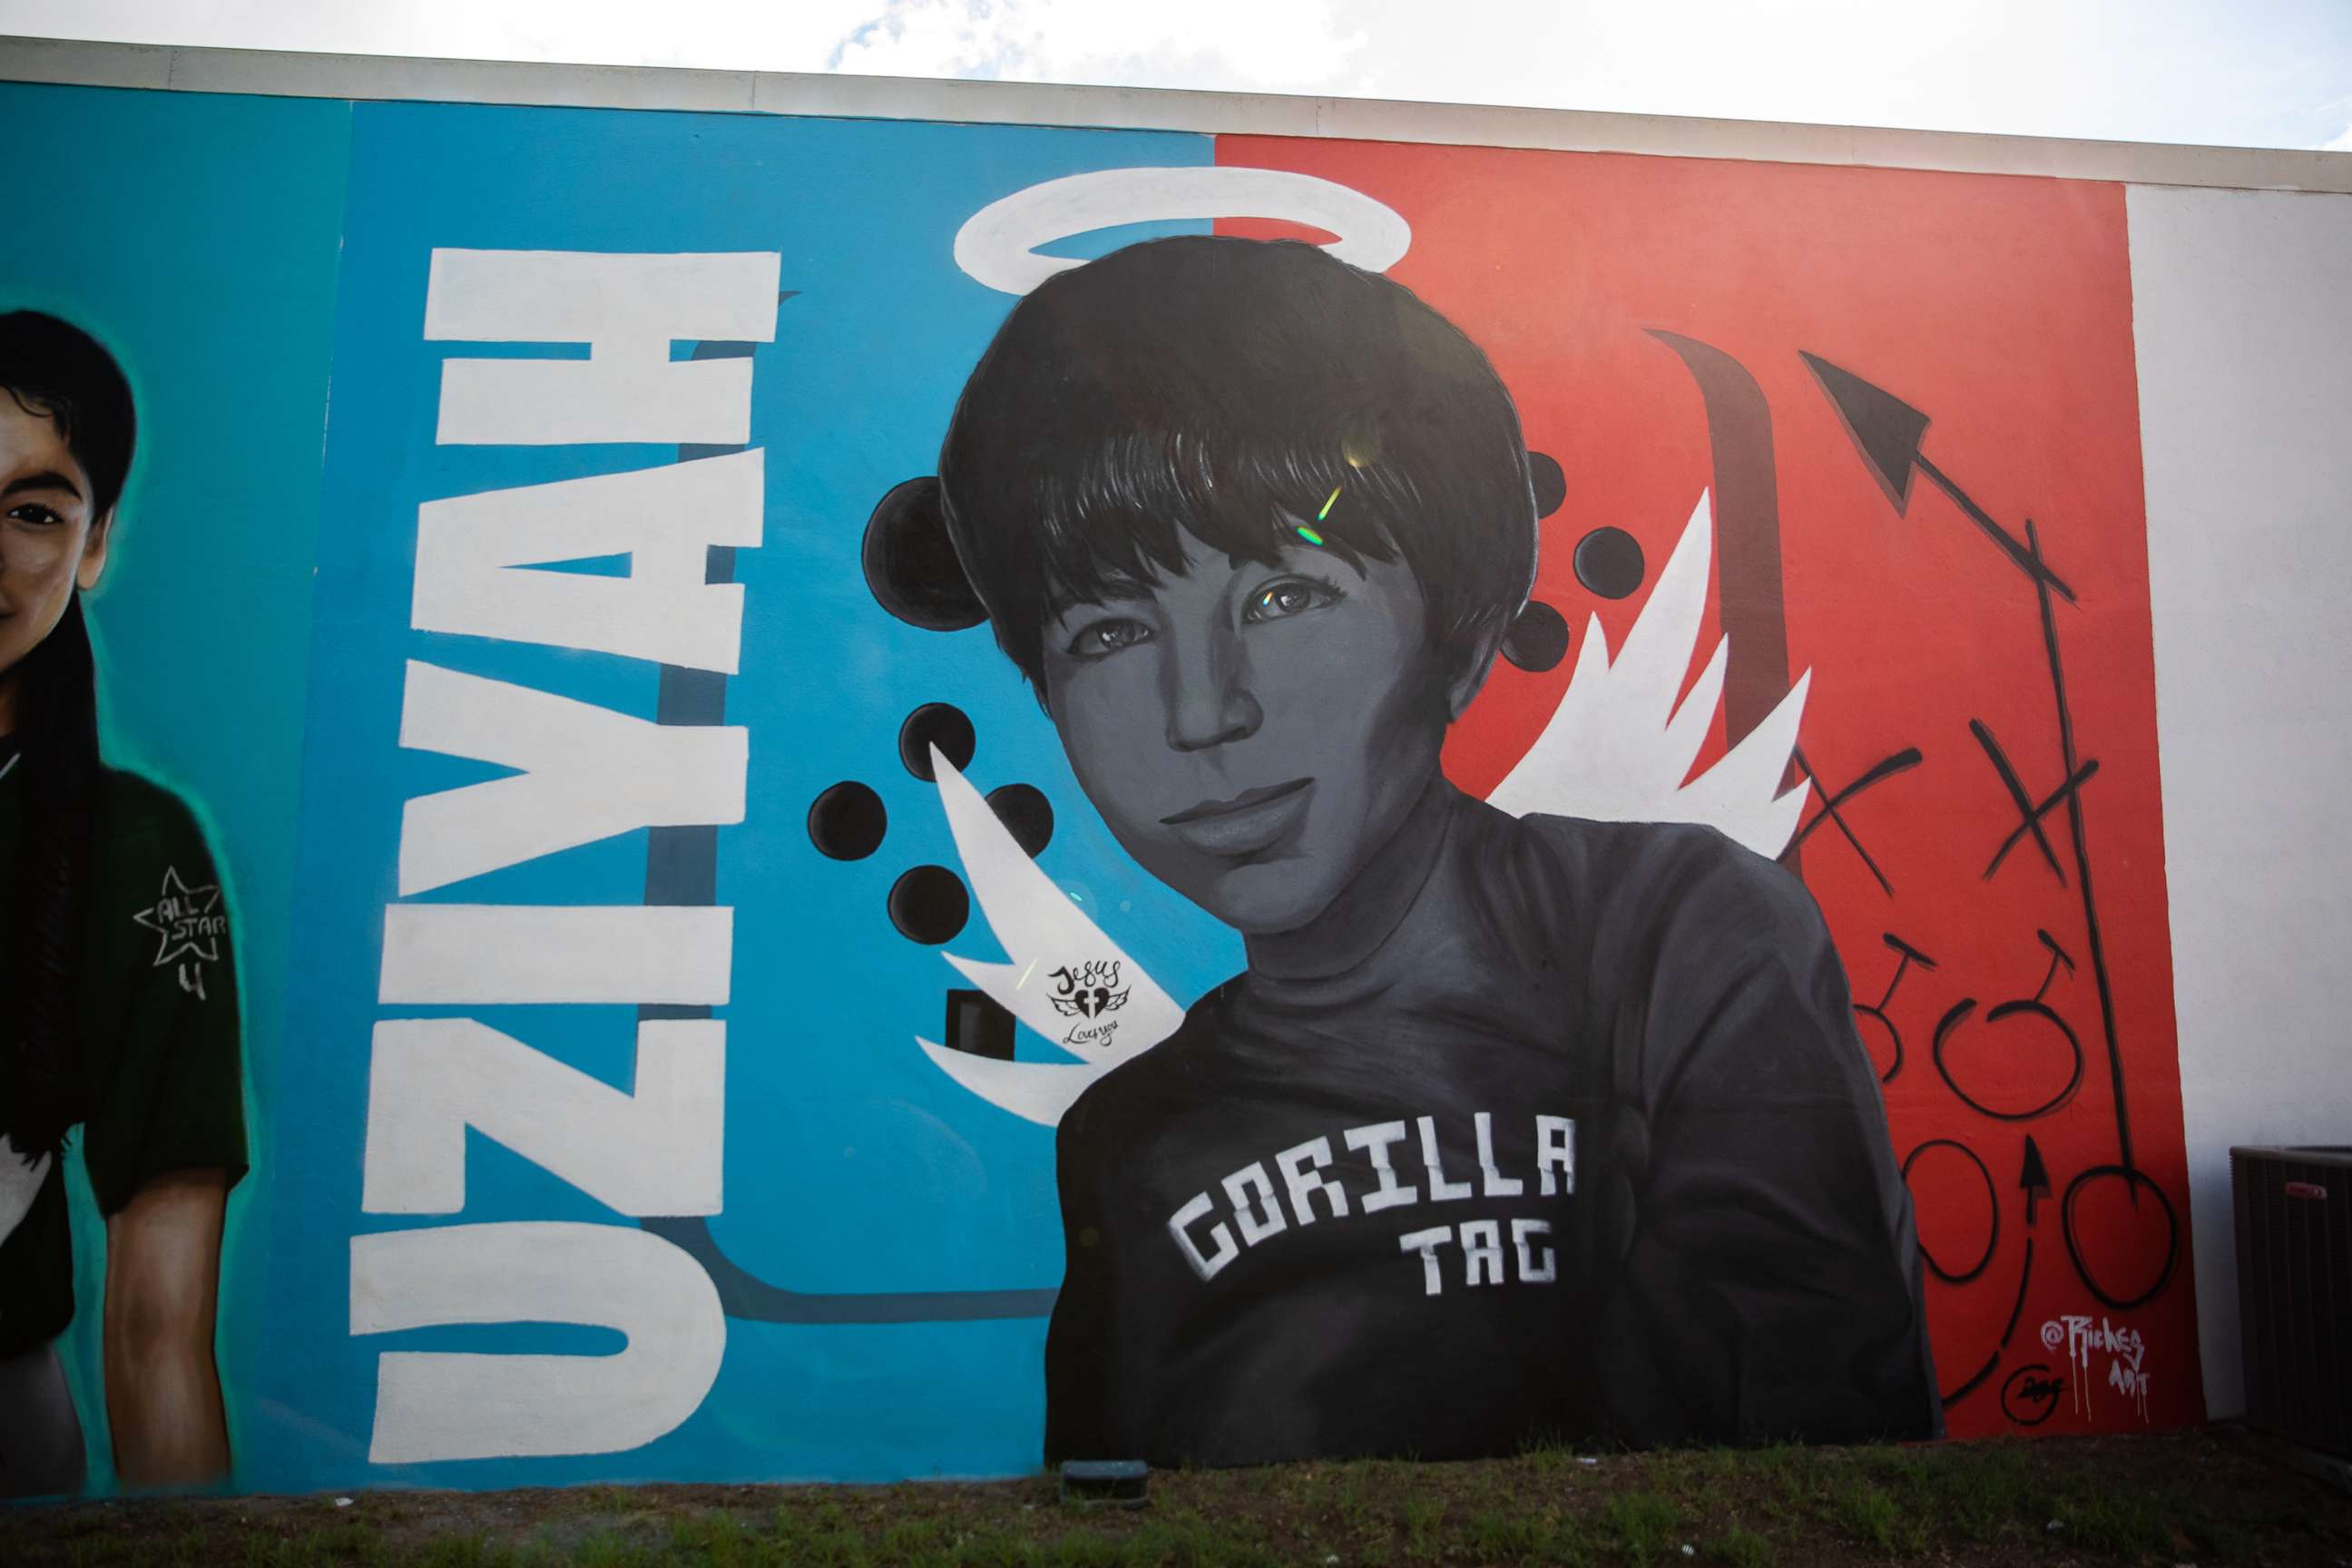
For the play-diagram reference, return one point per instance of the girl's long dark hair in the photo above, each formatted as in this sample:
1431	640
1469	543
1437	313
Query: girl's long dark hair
56	709
60	373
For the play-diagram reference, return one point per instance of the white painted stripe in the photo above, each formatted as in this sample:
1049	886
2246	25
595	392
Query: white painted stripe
469	954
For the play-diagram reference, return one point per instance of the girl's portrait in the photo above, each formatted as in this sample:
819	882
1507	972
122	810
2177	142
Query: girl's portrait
119	1033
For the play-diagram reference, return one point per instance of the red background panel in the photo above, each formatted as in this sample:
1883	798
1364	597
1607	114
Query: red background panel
2000	307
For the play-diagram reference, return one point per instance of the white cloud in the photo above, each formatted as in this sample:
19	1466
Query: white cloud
784	35
1247	45
2343	143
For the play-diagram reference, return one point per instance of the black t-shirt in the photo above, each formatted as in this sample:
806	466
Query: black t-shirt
1587	1149
156	1030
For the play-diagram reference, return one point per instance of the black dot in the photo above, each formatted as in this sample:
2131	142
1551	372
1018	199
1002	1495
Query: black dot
1608	561
940	724
929	905
846	821
1026	814
910	563
1549	484
1538	639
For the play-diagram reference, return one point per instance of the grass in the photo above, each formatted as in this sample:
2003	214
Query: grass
1743	1548
2202	1496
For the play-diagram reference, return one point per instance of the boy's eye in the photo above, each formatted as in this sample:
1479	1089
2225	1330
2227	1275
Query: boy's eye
36	514
1290	597
1101	637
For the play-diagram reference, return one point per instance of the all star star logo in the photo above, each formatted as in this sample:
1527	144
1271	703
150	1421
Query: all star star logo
188	921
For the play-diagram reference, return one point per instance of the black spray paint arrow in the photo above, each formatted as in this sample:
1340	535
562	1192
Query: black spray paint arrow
1887	431
2033	1177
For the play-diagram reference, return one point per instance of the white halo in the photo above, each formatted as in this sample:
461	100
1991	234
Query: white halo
997	245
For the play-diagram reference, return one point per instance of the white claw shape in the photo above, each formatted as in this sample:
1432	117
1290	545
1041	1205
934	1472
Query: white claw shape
1619	748
1064	978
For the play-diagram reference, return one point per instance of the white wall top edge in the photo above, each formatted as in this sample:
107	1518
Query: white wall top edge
288	75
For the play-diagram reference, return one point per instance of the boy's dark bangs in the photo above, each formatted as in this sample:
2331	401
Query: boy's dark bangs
1114	521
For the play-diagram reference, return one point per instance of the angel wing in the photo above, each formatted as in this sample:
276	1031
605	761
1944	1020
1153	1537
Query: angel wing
1041	930
1619	749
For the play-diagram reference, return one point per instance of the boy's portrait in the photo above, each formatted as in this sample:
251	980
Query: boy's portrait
1513	1128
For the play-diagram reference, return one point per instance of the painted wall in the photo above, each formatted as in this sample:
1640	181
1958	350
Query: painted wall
612	1108
2244	336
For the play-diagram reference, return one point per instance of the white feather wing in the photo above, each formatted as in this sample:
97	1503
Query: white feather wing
1042	930
1619	748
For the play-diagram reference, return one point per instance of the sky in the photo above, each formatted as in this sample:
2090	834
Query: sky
2263	73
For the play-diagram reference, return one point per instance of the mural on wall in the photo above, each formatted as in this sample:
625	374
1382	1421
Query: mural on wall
976	795
1632	1043
1176	1383
121	1013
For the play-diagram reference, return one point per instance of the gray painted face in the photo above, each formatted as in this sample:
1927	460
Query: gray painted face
1251	733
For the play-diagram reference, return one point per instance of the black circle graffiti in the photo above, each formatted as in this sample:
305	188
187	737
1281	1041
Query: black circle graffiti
929	905
910	561
940	724
1026	814
1608	561
2022	1006
1906	956
2040	1388
1893	1035
1992	1194
847	821
2133	1181
1537	638
1545	482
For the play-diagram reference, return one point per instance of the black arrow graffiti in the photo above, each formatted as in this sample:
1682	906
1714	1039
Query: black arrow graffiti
1887	432
2033	1177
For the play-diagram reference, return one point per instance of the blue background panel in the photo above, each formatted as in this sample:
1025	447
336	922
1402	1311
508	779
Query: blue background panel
852	1165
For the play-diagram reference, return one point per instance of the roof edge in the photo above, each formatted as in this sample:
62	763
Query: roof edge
272	73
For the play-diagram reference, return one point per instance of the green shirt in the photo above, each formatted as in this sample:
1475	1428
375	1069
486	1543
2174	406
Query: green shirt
155	1028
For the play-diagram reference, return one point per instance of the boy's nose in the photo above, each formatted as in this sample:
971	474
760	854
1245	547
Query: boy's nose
1207	694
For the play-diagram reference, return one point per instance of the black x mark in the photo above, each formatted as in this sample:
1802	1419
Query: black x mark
2031	812
1900	761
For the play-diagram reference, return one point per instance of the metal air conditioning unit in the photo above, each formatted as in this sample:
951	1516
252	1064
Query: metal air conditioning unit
2294	1291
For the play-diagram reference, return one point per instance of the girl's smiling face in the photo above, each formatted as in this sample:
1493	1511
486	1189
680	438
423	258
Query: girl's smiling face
50	543
1253	732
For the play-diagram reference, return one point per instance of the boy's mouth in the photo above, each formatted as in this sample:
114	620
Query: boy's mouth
1242	802
1244	824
